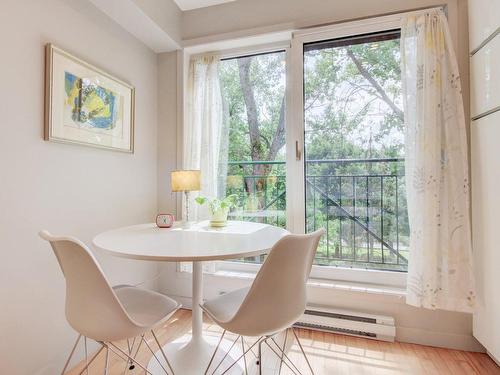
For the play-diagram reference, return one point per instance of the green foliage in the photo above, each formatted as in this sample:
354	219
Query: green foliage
345	116
267	78
352	110
215	204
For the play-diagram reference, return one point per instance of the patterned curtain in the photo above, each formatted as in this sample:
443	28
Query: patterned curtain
440	272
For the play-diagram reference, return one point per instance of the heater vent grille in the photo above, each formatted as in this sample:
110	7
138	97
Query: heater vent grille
341	316
335	329
348	322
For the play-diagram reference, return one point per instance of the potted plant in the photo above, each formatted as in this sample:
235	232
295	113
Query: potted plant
218	208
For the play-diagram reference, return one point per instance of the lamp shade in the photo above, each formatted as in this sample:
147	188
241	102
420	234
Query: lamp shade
186	180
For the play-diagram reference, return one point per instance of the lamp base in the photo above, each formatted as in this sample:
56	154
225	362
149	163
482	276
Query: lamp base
187	224
186	217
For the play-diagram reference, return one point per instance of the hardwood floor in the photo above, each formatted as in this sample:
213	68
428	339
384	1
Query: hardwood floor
330	354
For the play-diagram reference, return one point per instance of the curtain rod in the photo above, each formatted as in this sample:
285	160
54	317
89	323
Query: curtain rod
443	7
320	27
280	46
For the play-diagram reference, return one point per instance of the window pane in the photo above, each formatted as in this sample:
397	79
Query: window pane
354	148
253	89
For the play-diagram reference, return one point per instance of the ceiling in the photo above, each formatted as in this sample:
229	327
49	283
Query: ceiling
194	4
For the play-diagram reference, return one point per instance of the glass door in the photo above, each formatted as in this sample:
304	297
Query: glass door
350	141
254	169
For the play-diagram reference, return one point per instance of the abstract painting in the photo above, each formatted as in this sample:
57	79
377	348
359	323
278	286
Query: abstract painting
85	105
90	104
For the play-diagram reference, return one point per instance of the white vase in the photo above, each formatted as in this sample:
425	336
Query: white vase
219	217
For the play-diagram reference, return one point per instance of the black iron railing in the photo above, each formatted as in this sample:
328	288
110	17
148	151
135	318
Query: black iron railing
360	202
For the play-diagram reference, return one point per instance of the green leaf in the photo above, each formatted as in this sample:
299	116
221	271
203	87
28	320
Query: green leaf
201	200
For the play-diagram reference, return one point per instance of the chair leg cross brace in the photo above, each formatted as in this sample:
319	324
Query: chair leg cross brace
296	371
119	352
215	351
124	355
235	361
71	354
278	351
162	352
283	350
154	355
302	350
87	364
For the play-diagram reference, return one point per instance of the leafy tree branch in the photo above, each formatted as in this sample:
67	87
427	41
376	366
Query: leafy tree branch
381	92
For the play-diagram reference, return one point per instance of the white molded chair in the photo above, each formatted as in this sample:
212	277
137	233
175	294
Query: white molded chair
274	302
102	313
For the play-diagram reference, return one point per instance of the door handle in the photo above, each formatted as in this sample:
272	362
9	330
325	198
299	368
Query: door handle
298	153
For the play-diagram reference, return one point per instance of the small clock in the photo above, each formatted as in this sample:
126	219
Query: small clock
164	220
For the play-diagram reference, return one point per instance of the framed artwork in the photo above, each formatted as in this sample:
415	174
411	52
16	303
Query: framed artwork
86	106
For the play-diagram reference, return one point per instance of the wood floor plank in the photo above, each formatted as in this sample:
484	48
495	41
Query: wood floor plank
328	353
482	363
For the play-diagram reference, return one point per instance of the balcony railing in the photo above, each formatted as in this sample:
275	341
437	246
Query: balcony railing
360	202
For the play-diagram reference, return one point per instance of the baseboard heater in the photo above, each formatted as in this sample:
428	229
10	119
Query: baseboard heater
377	327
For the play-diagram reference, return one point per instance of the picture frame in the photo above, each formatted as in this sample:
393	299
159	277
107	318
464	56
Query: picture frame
84	105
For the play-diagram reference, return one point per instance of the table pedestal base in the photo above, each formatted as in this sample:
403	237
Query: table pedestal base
191	357
190	354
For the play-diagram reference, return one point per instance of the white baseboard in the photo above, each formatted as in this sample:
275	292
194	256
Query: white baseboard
186	302
496	360
410	335
438	339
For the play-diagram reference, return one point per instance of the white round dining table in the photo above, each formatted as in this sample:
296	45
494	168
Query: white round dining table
196	243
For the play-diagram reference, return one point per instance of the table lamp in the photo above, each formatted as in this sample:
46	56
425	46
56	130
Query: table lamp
186	181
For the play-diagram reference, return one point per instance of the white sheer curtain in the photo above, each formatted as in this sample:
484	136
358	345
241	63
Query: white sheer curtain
437	178
202	127
202	136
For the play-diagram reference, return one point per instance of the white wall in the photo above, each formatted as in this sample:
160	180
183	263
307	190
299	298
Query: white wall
64	188
156	23
165	13
246	18
168	136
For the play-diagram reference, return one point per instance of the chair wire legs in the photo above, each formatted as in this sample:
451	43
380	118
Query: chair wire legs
154	355
242	356
132	359
259	361
123	355
130	348
126	355
259	340
284	356
129	356
215	352
283	351
302	350
88	363
272	344
162	352
86	355
106	364
71	354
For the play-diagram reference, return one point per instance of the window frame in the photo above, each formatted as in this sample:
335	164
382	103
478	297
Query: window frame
295	198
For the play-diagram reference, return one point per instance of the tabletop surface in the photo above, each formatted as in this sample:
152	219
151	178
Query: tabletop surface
197	242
